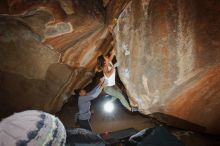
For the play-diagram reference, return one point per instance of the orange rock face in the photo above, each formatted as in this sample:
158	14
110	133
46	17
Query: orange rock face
47	49
168	51
169	54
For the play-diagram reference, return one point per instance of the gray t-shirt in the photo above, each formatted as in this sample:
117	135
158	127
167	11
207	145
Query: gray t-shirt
84	103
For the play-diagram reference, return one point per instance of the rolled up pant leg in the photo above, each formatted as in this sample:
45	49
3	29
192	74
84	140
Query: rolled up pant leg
117	94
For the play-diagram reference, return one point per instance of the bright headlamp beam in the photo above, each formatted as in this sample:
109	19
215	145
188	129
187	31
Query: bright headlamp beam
108	107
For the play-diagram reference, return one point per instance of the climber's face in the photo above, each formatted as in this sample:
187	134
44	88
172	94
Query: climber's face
106	60
82	93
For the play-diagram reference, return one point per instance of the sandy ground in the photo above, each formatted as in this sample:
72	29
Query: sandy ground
102	121
122	119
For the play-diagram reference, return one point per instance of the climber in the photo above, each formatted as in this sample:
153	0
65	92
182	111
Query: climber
104	63
84	103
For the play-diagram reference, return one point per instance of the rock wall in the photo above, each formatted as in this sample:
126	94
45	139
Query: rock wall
169	56
47	49
168	51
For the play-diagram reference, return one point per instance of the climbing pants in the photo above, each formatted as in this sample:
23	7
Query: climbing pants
116	93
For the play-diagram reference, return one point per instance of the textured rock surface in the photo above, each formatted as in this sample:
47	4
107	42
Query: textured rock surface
169	58
48	48
45	51
168	51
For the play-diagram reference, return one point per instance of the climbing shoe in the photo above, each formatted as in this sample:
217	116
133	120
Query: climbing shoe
134	109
